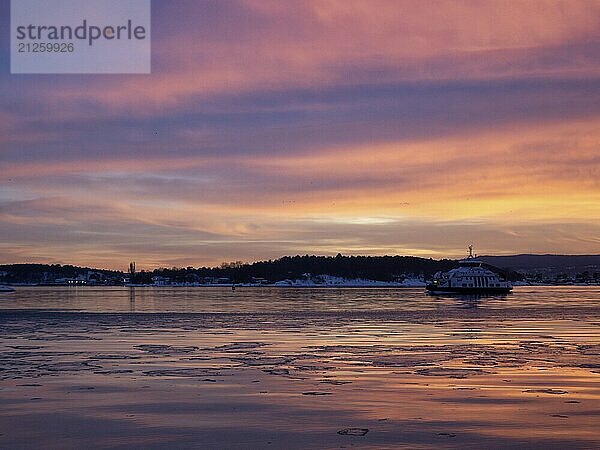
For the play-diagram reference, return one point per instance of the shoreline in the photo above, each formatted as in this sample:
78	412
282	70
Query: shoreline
369	284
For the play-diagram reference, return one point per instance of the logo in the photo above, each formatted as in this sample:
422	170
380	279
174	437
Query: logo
80	36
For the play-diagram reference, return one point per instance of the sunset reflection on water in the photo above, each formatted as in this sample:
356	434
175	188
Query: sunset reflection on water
299	368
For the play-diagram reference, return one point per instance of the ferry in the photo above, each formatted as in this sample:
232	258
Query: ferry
472	276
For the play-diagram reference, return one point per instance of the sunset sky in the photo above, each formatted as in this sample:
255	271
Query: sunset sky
271	128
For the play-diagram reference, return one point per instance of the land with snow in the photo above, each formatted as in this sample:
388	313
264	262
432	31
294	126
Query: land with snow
306	271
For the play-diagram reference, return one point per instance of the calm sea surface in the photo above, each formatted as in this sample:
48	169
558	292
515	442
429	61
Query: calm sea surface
298	368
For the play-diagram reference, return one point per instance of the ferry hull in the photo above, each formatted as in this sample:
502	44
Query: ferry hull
433	289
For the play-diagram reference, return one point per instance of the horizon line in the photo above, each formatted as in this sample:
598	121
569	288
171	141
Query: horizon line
293	256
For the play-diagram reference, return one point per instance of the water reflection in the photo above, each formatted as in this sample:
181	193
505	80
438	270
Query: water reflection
244	299
131	299
292	368
470	301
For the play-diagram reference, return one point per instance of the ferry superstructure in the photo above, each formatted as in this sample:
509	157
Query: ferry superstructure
472	276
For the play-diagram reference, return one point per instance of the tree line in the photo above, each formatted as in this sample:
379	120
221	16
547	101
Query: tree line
380	268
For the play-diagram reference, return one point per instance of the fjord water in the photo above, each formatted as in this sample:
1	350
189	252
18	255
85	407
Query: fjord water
298	368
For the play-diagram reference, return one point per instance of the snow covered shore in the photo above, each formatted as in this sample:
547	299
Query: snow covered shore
332	281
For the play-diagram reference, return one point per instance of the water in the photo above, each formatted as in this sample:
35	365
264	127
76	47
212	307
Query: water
298	368
266	300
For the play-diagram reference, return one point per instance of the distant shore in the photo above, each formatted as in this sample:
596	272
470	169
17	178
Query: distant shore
313	270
